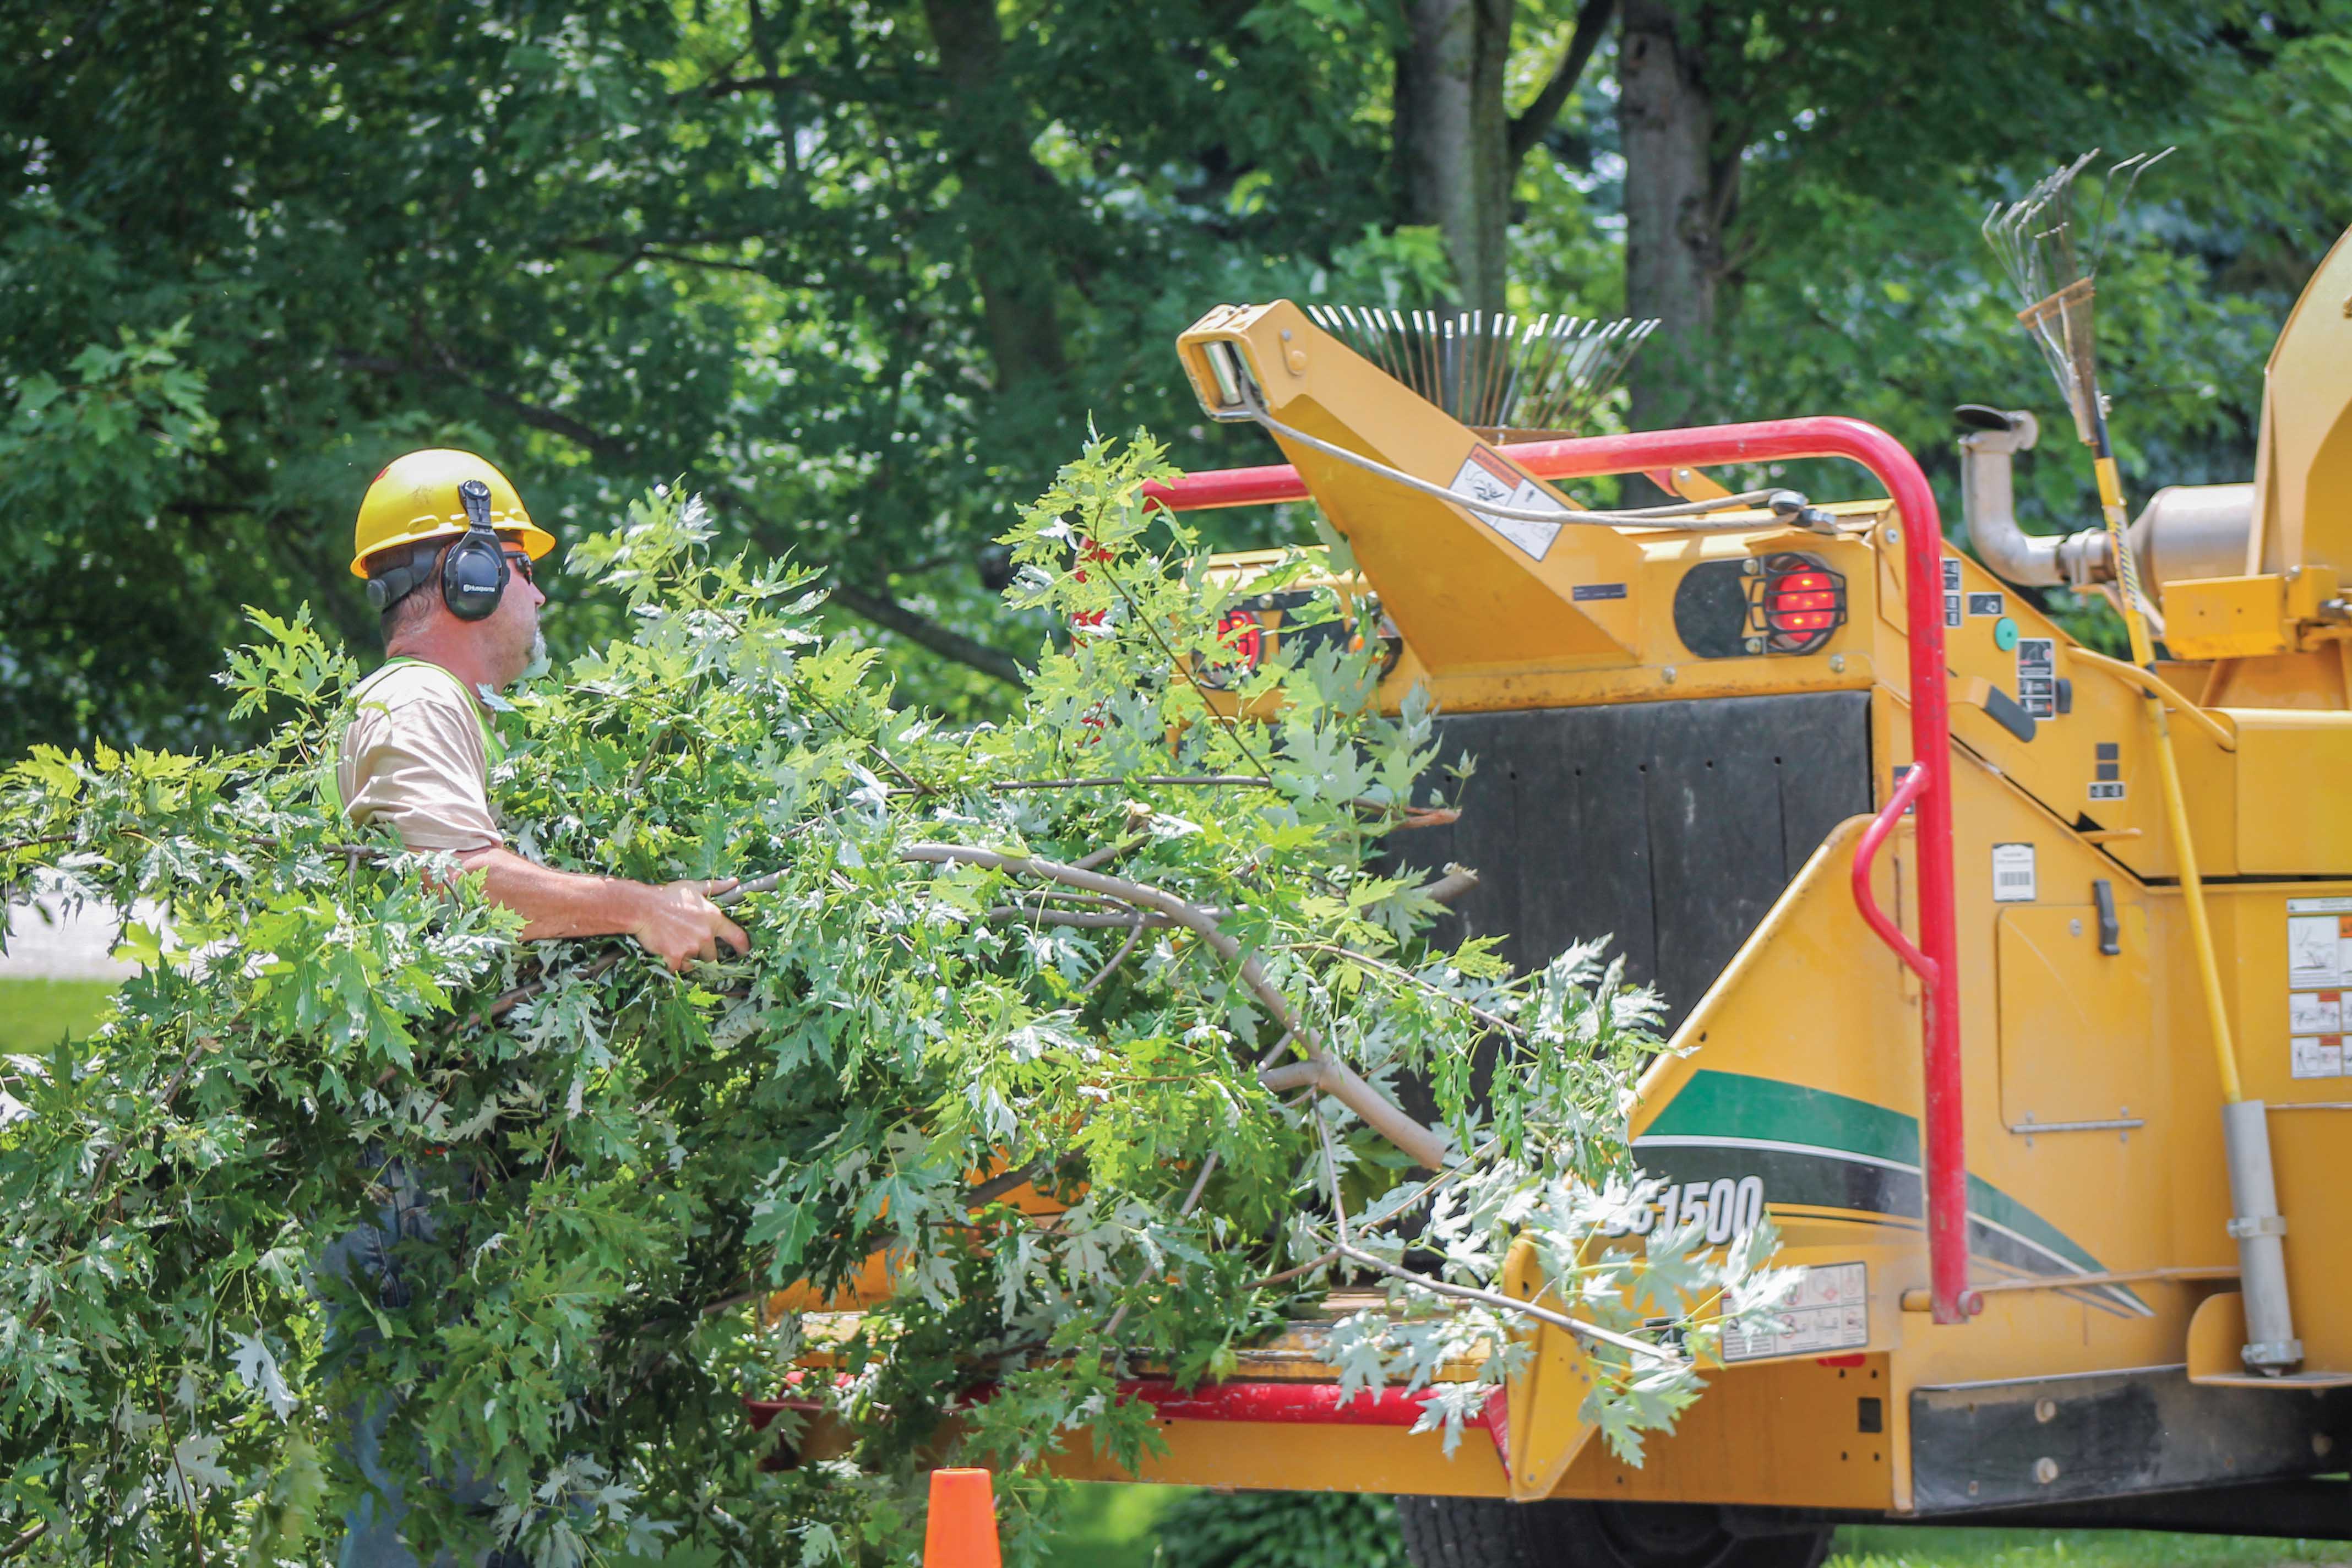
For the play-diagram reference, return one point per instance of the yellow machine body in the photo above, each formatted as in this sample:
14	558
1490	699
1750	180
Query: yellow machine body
2103	1362
2098	1193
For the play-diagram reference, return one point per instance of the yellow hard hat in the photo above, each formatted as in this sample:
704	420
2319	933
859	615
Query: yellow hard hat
415	497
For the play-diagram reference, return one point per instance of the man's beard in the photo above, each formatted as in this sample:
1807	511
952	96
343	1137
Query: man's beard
539	661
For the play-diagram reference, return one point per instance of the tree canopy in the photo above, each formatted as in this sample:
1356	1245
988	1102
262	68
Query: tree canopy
864	271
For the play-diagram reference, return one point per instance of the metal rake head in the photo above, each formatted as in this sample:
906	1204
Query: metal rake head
2052	256
1490	370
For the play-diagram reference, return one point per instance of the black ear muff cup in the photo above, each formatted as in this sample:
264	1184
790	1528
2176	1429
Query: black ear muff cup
474	573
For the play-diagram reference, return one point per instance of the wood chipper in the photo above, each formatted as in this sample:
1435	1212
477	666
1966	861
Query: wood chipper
2006	977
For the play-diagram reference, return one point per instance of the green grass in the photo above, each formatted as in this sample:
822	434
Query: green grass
35	1012
1107	1525
1877	1546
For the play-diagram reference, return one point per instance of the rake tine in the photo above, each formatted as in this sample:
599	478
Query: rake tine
1498	380
1521	356
1508	376
1466	370
1541	389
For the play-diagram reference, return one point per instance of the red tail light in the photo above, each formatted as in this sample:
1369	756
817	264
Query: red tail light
1242	635
1797	603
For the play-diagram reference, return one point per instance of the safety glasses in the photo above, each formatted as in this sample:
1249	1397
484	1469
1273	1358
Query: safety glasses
521	561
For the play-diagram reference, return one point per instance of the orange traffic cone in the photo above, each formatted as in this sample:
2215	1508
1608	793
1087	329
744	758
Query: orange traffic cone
962	1529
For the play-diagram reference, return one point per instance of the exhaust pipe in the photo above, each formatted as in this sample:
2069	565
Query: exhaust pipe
2184	531
1988	506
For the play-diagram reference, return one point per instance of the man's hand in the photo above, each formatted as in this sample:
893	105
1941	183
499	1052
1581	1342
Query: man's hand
676	923
679	923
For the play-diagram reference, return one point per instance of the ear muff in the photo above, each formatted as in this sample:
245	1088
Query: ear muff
474	573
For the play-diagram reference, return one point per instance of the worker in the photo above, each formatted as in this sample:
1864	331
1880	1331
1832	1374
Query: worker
449	556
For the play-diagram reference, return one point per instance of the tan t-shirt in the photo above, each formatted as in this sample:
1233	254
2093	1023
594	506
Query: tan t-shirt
413	757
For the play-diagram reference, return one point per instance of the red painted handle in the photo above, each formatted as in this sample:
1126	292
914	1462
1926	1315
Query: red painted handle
1914	784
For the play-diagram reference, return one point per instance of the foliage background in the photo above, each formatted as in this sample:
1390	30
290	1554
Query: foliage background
865	271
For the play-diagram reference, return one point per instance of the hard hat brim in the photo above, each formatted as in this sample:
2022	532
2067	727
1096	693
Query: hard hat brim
536	541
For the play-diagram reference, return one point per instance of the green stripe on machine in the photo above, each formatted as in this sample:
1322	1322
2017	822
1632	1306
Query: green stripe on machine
1726	1112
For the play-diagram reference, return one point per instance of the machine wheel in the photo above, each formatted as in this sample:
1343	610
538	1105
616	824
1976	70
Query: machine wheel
1488	1532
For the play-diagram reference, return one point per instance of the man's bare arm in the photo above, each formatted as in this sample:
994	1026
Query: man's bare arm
678	924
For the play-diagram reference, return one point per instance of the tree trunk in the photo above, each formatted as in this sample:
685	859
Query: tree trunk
1452	136
1006	198
1673	208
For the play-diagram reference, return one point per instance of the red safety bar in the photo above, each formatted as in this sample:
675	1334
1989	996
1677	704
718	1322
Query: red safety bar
1276	1404
1782	440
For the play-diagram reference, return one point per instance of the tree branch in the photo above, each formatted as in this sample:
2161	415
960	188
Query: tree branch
1593	19
1328	1073
531	414
1379	966
890	615
1577	1326
829	92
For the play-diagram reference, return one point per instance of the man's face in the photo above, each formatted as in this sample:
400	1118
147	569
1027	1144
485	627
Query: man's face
510	635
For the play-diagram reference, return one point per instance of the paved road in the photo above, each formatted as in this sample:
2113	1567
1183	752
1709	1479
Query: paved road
48	942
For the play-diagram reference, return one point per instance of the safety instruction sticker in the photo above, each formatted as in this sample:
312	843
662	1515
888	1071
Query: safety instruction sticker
2318	972
2037	676
2012	874
1827	1309
1484	477
1951	591
2316	1056
1986	604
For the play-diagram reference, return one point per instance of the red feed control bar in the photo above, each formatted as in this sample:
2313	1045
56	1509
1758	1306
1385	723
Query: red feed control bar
1935	958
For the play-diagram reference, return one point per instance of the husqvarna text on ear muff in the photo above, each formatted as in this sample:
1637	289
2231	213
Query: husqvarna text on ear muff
474	573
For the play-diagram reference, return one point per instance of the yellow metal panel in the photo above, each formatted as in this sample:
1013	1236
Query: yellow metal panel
2313	680
2227	617
1545	1395
2068	766
2303	481
1788	1434
2076	1030
2311	1107
1466	592
2295	816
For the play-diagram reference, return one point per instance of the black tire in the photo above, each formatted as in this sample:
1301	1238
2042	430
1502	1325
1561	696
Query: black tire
1488	1532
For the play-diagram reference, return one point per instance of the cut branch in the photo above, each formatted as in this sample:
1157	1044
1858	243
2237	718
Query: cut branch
1577	1326
1333	1076
1502	1304
1381	967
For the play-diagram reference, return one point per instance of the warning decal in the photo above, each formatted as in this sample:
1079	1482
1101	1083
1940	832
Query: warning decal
1951	591
1828	1309
1484	477
2318	972
2037	676
1985	604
